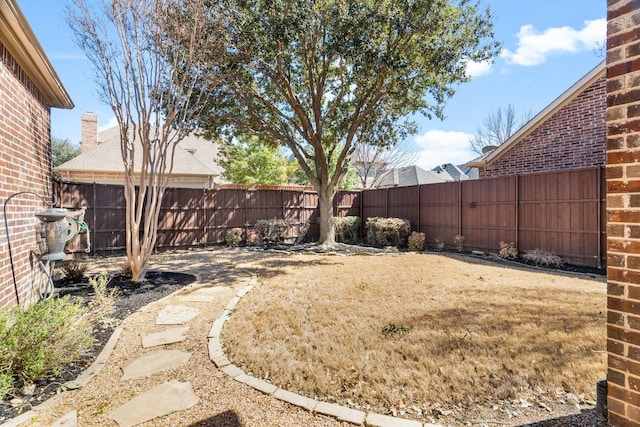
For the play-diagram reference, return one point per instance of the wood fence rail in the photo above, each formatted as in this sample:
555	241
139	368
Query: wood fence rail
562	212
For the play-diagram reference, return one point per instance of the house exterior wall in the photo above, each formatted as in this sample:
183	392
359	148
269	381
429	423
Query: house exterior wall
25	165
573	137
175	180
623	212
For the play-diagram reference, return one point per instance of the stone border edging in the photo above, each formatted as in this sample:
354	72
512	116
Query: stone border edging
341	413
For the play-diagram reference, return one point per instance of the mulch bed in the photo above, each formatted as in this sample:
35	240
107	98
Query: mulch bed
131	297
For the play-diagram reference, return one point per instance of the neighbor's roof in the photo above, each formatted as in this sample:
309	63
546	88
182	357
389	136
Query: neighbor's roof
19	39
568	96
409	176
193	156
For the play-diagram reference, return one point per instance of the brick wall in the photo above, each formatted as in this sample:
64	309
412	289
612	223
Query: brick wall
25	165
574	137
623	212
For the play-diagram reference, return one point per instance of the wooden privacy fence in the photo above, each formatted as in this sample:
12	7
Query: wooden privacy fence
562	212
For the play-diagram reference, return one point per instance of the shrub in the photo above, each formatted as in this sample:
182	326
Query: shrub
347	228
39	340
234	237
459	242
543	258
387	231
416	241
508	250
439	243
253	237
271	231
103	301
74	270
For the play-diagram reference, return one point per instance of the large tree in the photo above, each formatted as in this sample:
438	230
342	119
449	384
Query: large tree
63	150
251	162
322	76
147	56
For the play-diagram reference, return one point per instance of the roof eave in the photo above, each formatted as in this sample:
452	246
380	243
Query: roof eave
566	97
21	41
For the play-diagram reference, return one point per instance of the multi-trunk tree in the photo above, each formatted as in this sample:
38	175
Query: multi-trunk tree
322	77
148	56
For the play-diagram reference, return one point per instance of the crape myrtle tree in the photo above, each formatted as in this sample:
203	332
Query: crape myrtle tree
322	76
147	57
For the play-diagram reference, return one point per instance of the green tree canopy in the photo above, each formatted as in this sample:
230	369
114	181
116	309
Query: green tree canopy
62	150
320	77
251	162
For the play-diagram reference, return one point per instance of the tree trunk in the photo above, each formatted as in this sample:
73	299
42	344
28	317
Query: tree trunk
325	208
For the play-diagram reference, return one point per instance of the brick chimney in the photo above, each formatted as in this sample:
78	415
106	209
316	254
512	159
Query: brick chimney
89	131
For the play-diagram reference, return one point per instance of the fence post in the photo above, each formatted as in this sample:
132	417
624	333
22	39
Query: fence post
517	210
419	191
94	219
460	208
599	207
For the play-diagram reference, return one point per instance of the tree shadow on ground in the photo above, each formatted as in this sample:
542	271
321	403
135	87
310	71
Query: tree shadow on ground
223	419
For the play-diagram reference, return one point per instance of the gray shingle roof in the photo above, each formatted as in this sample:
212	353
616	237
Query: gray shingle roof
193	156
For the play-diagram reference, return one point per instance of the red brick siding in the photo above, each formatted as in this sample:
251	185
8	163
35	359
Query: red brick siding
574	137
25	165
623	212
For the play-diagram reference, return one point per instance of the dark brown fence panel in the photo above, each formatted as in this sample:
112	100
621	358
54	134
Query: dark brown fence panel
559	212
374	203
488	210
439	212
403	203
224	209
179	223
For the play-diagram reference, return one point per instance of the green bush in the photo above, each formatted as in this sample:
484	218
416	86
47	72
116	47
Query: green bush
416	241
272	231
38	340
347	228
387	231
234	237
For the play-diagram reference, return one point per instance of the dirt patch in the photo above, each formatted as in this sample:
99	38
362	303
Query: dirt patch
439	338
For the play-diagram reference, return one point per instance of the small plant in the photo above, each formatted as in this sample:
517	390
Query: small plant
272	231
387	231
74	270
459	242
103	301
253	237
38	340
439	244
508	250
543	258
395	329
416	241
125	270
347	228
234	237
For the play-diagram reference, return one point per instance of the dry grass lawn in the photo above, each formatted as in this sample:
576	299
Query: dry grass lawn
425	332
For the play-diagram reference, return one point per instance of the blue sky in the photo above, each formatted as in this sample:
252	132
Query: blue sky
547	46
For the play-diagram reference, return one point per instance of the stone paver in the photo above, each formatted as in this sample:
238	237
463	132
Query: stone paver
169	336
232	370
295	399
68	420
378	420
161	400
176	315
342	413
260	385
154	362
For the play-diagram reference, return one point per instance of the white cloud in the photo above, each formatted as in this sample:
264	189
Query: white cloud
534	47
113	122
437	147
477	69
